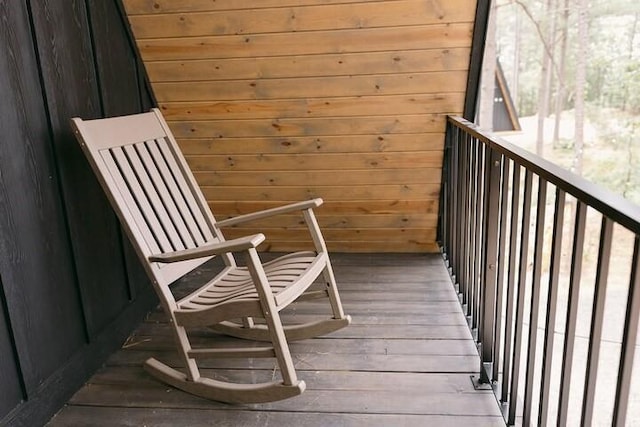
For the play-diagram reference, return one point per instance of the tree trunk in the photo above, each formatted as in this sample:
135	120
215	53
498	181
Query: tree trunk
544	91
632	38
515	81
487	87
581	74
560	93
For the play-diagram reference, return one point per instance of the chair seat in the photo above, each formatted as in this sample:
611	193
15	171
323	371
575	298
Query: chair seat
289	276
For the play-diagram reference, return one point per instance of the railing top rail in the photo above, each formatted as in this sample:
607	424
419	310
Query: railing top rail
608	203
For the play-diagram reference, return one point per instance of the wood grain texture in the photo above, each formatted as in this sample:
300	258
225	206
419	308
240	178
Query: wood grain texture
66	57
316	144
323	126
10	387
64	294
321	42
405	362
136	7
36	264
393	13
268	90
332	106
351	207
295	66
321	177
328	161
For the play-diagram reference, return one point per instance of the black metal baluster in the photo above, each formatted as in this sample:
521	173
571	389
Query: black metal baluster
518	331
490	258
511	285
500	282
597	318
535	300
629	340
552	306
572	311
472	230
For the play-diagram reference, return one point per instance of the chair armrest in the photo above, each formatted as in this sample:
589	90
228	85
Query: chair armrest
307	204
239	244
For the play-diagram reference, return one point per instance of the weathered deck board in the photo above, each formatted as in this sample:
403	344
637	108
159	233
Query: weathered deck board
406	360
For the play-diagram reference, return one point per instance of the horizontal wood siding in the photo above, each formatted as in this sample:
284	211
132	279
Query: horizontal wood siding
280	100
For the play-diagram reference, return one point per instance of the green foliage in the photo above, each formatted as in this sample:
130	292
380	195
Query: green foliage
612	91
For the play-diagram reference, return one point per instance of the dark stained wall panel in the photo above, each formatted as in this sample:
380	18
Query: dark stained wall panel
71	289
10	388
70	81
35	257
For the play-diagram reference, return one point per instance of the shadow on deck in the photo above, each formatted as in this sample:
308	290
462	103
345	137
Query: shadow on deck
405	361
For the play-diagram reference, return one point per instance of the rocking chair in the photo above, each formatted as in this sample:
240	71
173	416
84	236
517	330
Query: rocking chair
164	213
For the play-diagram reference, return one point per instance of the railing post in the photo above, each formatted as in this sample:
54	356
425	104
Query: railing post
443	211
490	257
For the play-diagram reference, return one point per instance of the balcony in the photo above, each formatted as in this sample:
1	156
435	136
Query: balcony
529	313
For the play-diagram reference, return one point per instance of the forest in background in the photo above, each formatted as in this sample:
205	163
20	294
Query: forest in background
573	71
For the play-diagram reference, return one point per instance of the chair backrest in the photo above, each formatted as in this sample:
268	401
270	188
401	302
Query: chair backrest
151	188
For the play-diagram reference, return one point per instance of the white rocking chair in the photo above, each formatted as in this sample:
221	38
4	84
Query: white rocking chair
164	213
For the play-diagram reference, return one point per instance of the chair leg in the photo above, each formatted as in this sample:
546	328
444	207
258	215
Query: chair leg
272	318
332	289
184	346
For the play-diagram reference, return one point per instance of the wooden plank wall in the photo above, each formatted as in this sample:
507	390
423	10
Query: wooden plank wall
70	288
281	100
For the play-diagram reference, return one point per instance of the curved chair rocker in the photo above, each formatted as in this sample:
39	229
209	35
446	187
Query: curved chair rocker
164	213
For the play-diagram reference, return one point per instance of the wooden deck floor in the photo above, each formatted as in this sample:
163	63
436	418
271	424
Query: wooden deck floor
405	361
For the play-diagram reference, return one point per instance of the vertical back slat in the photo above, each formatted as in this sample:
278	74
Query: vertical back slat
163	193
185	188
511	284
178	196
153	197
552	304
572	312
629	341
124	192
535	300
141	199
597	319
522	278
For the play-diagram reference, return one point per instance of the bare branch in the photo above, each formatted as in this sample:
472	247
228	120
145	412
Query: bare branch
543	40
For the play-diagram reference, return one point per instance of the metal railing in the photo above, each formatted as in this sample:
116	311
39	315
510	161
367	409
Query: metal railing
529	247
